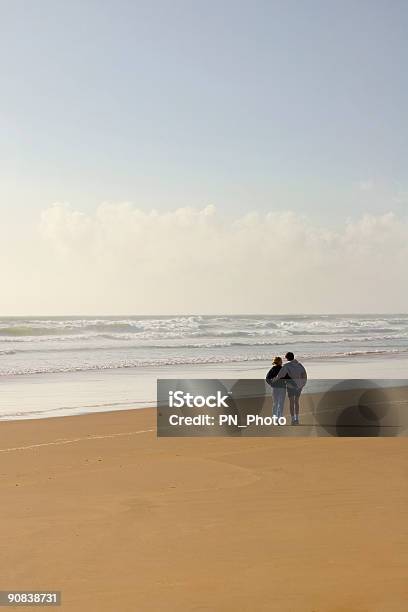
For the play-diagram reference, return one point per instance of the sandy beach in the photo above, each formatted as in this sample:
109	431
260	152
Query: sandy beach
97	507
204	306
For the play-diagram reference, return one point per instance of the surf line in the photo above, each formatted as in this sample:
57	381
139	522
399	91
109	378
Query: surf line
61	442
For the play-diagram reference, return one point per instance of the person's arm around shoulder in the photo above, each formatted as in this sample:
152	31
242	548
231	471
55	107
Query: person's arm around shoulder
281	374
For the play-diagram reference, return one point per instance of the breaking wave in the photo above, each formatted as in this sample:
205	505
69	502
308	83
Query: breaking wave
67	344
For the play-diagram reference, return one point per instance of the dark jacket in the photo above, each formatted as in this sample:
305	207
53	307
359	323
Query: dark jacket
274	371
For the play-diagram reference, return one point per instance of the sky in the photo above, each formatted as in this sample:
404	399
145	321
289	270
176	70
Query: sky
122	122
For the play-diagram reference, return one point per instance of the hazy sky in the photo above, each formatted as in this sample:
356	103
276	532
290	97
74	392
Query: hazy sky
272	107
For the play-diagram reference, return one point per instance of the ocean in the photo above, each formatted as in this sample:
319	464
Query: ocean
69	365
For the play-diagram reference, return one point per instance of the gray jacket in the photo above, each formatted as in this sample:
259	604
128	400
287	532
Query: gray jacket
295	370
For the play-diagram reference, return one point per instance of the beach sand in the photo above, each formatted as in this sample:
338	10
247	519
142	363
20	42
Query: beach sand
97	507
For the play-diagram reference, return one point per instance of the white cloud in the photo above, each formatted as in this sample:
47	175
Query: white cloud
125	260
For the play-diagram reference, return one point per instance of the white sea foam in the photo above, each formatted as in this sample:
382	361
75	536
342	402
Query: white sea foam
177	361
67	344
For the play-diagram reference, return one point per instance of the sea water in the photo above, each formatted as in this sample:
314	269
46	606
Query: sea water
69	365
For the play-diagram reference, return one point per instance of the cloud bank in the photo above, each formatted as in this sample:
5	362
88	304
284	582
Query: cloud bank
124	260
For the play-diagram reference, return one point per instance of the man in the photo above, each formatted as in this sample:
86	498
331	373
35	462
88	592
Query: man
295	372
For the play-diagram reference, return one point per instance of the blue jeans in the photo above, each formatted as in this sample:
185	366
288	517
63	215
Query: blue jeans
278	394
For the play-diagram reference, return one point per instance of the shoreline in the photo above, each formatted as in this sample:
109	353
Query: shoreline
38	396
392	392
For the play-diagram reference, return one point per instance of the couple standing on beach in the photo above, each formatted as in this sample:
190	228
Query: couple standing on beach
290	378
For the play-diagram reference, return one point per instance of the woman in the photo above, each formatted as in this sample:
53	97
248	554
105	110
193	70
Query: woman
278	387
